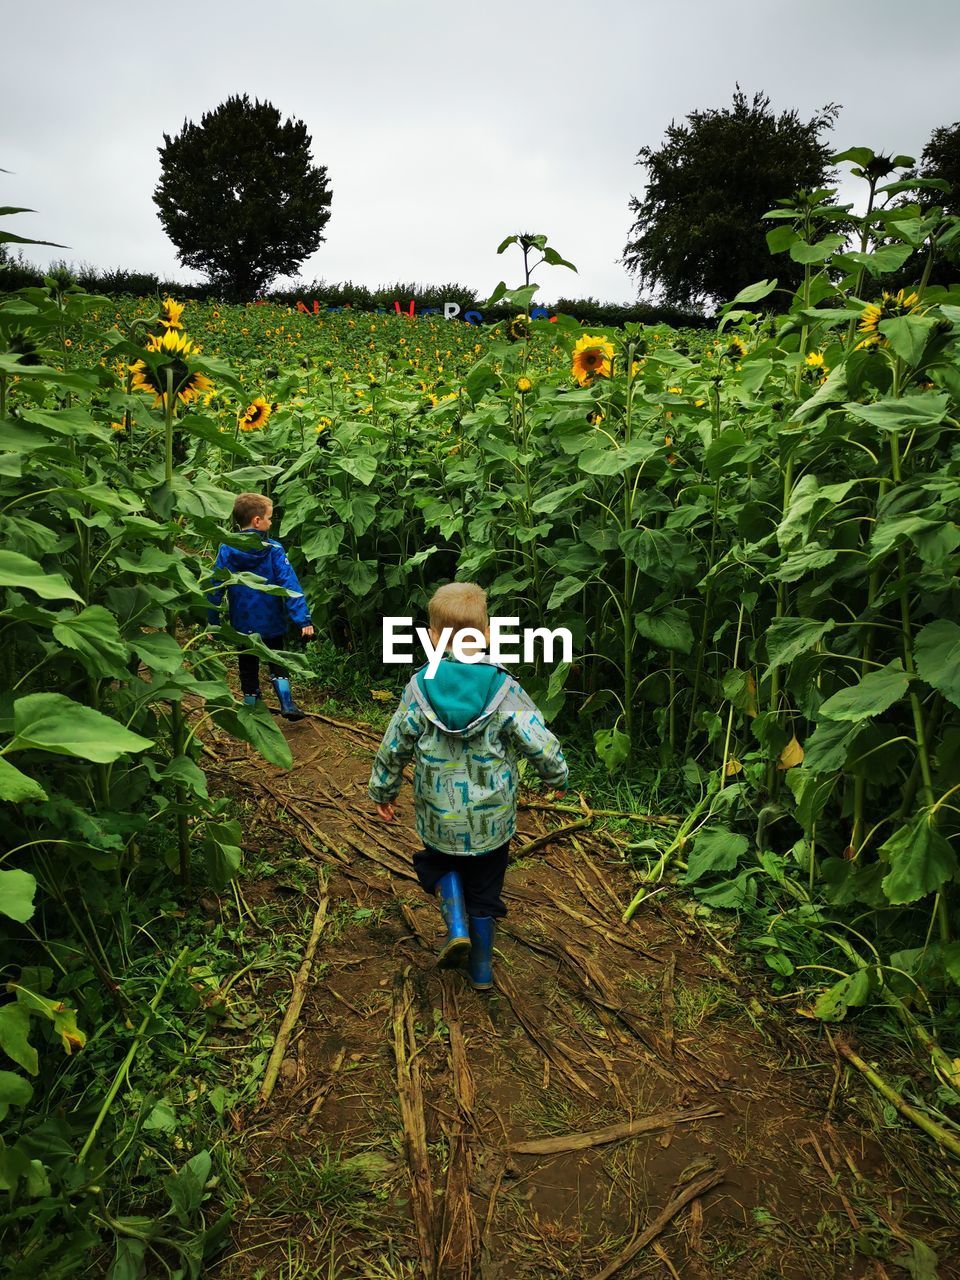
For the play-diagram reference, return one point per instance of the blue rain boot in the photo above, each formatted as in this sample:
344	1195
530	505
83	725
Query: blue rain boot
288	708
481	952
251	699
456	945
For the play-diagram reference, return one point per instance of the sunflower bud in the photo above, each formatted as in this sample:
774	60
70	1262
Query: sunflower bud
524	385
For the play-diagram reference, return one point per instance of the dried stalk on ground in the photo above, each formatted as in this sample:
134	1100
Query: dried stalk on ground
293	1008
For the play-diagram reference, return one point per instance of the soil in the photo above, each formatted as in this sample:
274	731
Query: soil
392	1145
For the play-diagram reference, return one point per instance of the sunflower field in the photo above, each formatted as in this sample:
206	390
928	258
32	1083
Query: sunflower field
751	533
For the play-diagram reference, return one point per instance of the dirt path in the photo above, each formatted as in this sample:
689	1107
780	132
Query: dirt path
622	1104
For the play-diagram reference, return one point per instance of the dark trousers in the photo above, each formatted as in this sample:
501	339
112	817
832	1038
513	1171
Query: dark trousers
249	665
481	875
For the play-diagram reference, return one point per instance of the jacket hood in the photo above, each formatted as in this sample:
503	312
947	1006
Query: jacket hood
248	561
462	696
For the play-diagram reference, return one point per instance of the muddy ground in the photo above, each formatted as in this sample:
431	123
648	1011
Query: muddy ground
629	1101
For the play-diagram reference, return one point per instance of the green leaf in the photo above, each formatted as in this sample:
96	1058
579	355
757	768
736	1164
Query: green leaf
612	747
323	542
185	772
207	430
827	748
14	1029
162	1118
16	895
802	252
908	335
850	992
186	1187
95	634
256	726
786	638
937	655
555	498
52	722
890	257
663	554
26	575
222	852
921	861
919	1261
16	787
14	1165
564	589
128	1261
14	1092
811	792
730	895
669	628
873	695
159	651
598	461
362	467
714	849
779	239
358	576
754	292
903	413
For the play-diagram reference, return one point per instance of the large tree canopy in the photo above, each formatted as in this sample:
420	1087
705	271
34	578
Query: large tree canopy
239	196
698	233
941	159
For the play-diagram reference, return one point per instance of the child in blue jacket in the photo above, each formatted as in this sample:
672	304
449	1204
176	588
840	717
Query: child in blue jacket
257	611
464	729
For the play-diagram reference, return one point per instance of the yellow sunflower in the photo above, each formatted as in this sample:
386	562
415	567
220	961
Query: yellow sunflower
591	357
524	385
175	348
890	305
170	313
256	415
518	329
736	349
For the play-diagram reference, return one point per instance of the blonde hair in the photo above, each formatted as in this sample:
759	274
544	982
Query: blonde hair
248	505
458	605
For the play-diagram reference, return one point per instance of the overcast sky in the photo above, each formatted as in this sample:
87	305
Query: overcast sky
444	126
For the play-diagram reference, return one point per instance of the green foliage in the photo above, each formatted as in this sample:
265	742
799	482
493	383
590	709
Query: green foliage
698	233
239	196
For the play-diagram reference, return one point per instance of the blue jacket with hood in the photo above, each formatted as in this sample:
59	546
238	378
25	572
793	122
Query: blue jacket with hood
464	729
252	610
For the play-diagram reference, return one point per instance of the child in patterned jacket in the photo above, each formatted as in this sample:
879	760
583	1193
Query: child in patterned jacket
464	728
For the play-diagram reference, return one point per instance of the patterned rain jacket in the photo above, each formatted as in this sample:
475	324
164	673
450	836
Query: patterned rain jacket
464	729
253	610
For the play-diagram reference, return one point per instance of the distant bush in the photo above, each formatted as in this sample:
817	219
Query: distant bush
16	273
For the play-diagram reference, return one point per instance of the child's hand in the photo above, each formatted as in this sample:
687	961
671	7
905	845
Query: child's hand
386	811
306	631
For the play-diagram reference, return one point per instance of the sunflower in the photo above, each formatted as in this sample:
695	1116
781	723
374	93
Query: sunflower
255	415
889	307
170	313
175	348
524	385
591	356
814	360
518	329
736	349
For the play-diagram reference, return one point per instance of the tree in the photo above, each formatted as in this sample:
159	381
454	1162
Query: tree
239	196
698	233
941	159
